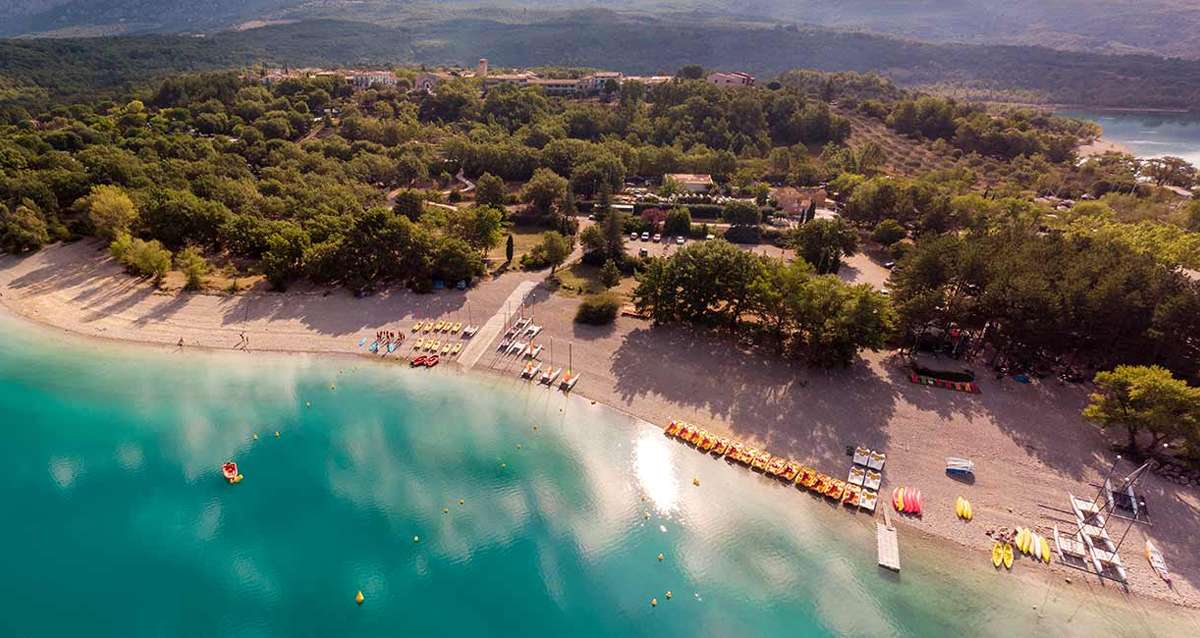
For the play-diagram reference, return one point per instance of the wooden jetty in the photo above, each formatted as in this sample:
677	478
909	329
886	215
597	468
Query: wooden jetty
888	547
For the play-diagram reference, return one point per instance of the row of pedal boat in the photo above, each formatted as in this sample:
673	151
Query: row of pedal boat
784	469
446	327
434	346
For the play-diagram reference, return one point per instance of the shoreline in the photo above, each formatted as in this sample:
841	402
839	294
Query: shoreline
607	362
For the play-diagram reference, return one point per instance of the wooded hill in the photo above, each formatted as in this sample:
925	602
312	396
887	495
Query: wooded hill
34	69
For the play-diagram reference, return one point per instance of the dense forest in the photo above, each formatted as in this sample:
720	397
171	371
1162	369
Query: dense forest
308	178
33	71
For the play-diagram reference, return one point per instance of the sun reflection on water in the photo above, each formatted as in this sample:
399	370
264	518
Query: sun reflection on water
654	467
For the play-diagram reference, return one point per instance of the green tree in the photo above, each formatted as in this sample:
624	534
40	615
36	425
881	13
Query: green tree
111	211
543	190
567	207
888	232
552	250
678	222
22	230
410	203
490	191
480	226
613	226
593	241
835	320
1145	399
691	72
194	267
284	259
739	213
457	260
610	275
823	243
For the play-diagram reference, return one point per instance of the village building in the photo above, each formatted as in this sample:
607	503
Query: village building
368	79
730	79
691	182
794	201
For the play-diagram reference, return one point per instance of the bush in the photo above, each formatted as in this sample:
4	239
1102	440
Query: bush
194	267
551	251
598	310
146	258
744	234
23	230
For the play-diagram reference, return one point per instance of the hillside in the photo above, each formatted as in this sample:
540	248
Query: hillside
1162	27
605	40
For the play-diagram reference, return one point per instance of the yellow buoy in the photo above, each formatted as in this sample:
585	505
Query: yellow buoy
518	446
696	482
654	602
668	594
277	434
416	539
445	510
660	557
359	598
461	502
308	404
503	465
255	437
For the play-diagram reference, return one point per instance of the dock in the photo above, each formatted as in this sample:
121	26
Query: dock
888	546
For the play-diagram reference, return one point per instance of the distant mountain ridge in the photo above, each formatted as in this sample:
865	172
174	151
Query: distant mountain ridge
56	67
1163	27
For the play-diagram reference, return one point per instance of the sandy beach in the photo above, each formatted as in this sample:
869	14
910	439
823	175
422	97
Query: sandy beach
1100	146
1028	442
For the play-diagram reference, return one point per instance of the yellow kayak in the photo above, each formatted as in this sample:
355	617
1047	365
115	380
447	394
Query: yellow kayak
1008	555
898	502
997	555
1021	539
968	511
1045	551
958	508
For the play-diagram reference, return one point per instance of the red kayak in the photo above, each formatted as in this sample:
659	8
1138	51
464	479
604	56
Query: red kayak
230	471
419	361
431	361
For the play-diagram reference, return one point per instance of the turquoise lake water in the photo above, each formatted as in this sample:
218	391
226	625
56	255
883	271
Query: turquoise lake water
117	522
1150	134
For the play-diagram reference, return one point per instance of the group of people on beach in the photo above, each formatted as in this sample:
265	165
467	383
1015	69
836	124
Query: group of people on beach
388	336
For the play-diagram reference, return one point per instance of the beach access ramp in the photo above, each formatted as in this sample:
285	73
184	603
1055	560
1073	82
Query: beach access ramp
887	544
487	333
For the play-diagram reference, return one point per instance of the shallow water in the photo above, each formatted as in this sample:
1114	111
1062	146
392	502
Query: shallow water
118	523
1150	134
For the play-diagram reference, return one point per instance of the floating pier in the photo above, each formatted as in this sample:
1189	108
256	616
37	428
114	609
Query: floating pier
889	548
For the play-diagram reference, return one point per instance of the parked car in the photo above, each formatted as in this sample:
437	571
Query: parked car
890	265
657	237
643	253
679	240
645	236
633	236
709	237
